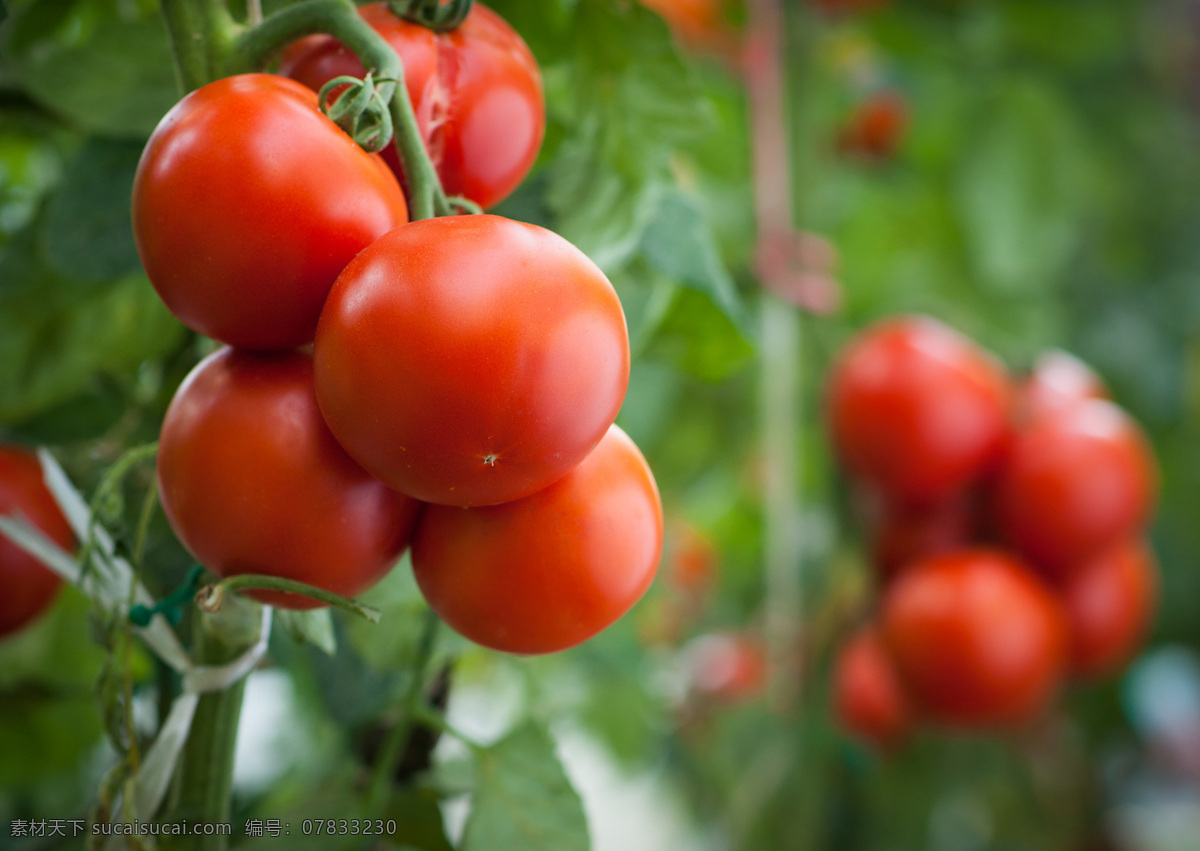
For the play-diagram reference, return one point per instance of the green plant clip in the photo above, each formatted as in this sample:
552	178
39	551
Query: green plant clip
170	606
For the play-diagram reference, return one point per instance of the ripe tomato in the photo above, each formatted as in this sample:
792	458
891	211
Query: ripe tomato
727	667
471	360
1058	380
252	481
476	90
875	127
868	700
549	571
1076	481
917	410
247	204
693	561
1109	603
978	640
905	536
26	587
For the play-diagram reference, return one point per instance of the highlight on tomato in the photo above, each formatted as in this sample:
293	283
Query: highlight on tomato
547	572
252	481
27	587
476	91
471	360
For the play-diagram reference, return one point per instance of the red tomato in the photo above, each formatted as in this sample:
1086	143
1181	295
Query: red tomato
906	536
247	204
26	587
693	561
476	90
1076	481
471	360
728	667
868	700
978	640
1110	602
876	126
549	571
918	410
1058	380
252	481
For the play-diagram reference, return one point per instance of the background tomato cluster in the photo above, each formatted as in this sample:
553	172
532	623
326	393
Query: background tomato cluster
1042	191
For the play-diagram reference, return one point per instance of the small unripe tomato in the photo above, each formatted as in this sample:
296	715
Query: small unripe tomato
476	91
727	667
1075	481
549	571
978	640
917	410
1058	380
471	360
868	700
875	127
248	202
27	588
1110	602
252	481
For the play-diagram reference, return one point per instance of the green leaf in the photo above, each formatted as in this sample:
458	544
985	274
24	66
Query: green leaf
523	800
418	819
86	232
314	627
700	339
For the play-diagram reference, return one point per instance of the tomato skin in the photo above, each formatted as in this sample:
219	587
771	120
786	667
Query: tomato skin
978	640
1076	481
252	481
471	360
1058	380
27	588
549	571
1110	602
248	202
917	410
868	700
476	91
728	667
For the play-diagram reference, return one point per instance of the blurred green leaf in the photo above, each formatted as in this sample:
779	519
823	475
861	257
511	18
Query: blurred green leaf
418	819
313	627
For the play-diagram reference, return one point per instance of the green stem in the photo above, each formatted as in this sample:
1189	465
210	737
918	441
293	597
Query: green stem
397	738
201	33
255	48
212	597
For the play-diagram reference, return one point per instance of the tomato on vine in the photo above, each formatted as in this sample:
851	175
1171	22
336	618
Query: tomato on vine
248	202
978	640
876	127
27	588
868	699
476	91
544	573
252	481
471	360
1058	380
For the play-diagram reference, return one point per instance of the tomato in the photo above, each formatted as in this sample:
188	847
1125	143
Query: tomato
978	640
728	667
27	588
247	204
549	571
1058	380
904	536
1076	481
917	410
876	126
252	481
471	360
1110	602
868	699
693	562
476	91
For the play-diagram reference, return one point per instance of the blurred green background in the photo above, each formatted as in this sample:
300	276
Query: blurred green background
1045	192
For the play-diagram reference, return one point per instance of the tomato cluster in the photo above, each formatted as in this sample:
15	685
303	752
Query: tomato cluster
1006	524
464	375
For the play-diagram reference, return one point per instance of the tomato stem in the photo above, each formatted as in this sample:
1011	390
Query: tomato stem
201	33
211	598
255	48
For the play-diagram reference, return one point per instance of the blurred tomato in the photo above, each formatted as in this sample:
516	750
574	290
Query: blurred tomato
691	562
978	640
868	700
1058	380
727	667
904	536
698	24
875	127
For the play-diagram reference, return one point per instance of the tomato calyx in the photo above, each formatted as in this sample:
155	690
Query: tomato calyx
432	14
360	109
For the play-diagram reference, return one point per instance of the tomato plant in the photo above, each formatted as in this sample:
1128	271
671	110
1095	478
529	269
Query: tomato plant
978	640
917	410
26	587
249	260
476	91
253	482
544	573
868	700
471	360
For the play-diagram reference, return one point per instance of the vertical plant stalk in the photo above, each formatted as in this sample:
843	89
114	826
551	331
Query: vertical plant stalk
781	373
201	32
